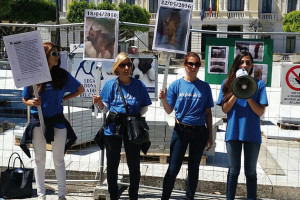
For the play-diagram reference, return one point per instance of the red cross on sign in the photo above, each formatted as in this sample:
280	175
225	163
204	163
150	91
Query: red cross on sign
292	78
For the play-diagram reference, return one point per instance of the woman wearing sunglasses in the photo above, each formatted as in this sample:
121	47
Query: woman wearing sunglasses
192	100
243	127
137	100
58	131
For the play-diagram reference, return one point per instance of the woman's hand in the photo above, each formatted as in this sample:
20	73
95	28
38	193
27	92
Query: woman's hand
163	94
209	144
32	102
97	100
163	97
36	101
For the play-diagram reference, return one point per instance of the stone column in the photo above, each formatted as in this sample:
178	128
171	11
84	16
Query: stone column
196	38
222	27
273	6
225	5
246	5
195	5
64	6
200	4
220	5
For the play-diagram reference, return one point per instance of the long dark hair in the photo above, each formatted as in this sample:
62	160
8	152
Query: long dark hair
231	76
59	76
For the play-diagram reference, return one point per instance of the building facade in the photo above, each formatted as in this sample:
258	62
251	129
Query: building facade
232	15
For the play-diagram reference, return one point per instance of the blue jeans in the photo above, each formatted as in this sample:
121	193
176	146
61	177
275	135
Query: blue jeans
251	151
113	144
196	139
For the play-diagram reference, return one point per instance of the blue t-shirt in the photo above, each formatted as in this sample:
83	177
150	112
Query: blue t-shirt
190	100
52	99
135	95
242	123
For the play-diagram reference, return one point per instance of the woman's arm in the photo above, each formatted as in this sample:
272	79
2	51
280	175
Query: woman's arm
143	110
79	91
32	102
208	117
227	106
163	98
256	108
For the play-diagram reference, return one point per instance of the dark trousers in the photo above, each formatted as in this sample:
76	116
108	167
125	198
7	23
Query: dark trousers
234	151
196	138
113	146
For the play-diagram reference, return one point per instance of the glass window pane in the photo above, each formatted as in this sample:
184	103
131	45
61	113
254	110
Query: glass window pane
267	6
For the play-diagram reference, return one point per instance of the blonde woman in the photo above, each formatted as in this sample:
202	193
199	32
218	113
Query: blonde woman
138	100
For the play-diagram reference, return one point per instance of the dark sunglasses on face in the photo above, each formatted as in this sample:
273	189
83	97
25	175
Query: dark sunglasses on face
54	53
247	62
123	65
191	64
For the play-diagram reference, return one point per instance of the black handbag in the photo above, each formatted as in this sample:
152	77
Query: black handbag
16	182
137	130
136	127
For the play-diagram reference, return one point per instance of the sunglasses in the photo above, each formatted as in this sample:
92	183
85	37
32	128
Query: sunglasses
192	64
123	65
247	62
54	53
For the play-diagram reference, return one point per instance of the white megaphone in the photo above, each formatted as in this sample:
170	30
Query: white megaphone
243	86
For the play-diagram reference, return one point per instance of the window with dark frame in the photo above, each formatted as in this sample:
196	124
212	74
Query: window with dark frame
267	6
290	44
131	2
153	4
291	5
235	5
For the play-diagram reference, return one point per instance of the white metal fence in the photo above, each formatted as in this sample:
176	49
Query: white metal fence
279	160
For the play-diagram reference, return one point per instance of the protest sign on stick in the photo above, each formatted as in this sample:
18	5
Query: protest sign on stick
28	62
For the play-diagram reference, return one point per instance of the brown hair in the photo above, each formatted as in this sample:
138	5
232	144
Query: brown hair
120	58
59	76
191	54
231	76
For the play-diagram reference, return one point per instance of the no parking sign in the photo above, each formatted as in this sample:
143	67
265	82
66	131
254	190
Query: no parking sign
290	83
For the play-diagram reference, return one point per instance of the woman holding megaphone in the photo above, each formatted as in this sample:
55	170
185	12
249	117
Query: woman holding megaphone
243	127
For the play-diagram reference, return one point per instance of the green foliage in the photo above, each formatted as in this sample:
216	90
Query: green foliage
135	14
128	13
291	22
76	11
28	11
106	6
4	8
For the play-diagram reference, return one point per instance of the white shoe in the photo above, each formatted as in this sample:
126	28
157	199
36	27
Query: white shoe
42	197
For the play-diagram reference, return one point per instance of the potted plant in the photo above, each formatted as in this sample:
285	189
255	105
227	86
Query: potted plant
295	58
277	57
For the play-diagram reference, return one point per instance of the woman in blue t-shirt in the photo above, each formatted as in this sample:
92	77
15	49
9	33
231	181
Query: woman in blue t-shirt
58	131
243	127
137	100
192	100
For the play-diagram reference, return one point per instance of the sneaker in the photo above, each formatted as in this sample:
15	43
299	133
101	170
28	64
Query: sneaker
42	197
62	198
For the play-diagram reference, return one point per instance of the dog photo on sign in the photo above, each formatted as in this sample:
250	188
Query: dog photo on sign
143	67
99	38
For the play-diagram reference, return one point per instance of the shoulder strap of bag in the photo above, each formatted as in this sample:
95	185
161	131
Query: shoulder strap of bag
120	89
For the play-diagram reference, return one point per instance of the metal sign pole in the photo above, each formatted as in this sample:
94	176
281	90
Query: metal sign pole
166	74
36	93
98	85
